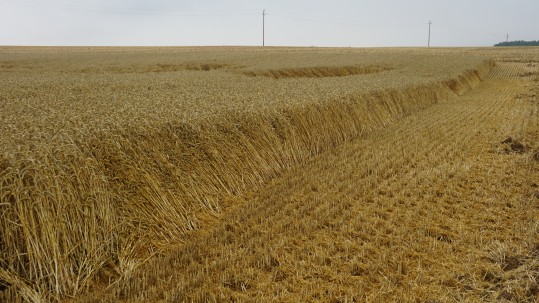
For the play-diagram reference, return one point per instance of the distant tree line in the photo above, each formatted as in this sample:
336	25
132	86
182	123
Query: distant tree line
518	43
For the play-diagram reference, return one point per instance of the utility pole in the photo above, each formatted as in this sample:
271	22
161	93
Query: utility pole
507	40
264	28
430	23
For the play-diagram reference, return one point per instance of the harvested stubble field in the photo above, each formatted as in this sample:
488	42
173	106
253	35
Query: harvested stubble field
269	175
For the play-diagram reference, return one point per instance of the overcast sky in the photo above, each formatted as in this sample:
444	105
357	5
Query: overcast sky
356	23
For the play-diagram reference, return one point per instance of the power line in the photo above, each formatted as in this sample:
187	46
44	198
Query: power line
171	12
140	11
468	31
122	10
334	21
357	23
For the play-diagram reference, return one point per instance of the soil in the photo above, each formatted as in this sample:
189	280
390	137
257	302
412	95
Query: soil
511	263
513	146
536	155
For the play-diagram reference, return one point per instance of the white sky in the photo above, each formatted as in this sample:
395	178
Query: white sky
360	23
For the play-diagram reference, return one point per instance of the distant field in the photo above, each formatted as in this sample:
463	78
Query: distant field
123	166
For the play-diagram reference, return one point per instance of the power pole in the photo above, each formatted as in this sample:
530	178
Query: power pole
430	23
264	28
507	40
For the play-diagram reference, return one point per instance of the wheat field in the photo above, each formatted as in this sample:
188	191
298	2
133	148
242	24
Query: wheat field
220	174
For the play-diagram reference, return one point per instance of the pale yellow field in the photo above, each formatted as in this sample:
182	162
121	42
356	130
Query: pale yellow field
278	174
